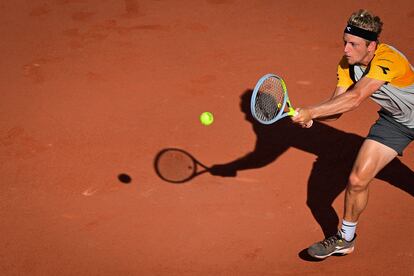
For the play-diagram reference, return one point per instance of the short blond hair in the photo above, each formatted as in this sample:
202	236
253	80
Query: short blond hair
366	20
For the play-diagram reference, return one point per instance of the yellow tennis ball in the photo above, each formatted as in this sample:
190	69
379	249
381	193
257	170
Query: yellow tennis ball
206	118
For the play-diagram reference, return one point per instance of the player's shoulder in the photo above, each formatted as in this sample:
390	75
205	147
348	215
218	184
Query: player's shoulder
386	54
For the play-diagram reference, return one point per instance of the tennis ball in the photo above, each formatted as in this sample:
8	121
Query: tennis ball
206	118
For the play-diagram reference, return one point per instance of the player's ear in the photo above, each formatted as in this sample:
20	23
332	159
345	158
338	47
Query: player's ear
372	46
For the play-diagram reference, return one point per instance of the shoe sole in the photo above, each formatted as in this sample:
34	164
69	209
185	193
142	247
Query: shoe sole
344	251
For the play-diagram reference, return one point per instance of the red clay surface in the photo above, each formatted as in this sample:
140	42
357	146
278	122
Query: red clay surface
91	89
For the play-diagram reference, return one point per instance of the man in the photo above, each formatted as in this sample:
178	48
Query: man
367	69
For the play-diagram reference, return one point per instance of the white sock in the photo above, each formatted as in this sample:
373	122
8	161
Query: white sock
348	230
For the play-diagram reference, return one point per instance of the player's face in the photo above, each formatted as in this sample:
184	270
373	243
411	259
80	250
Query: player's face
356	50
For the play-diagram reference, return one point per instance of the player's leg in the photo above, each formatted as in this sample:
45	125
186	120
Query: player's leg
372	157
386	139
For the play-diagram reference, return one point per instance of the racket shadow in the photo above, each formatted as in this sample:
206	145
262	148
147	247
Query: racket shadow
178	166
335	150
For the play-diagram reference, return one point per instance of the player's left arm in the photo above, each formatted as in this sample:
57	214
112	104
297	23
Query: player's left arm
341	103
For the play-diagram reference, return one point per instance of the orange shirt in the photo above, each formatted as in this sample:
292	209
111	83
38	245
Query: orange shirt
388	65
396	96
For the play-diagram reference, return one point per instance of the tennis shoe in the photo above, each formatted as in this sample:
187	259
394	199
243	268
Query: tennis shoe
332	245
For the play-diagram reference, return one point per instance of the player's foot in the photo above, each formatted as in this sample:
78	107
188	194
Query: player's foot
332	245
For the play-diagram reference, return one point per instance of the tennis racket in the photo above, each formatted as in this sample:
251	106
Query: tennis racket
270	101
177	166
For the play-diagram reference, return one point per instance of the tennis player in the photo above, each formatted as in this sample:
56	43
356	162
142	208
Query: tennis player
376	70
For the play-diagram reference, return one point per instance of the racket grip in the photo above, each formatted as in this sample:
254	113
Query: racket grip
294	113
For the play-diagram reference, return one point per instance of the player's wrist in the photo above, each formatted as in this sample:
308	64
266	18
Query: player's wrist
311	113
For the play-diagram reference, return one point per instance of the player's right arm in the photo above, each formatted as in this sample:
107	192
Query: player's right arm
338	91
344	84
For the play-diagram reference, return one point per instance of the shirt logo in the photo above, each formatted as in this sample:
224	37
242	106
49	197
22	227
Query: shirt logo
384	69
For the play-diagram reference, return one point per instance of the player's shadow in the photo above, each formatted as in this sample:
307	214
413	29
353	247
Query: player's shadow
335	152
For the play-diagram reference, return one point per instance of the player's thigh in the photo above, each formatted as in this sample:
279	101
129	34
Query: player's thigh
372	157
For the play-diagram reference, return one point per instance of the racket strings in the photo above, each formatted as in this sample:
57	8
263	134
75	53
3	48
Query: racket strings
175	166
269	99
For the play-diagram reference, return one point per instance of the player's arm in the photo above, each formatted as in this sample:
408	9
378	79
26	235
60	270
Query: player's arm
338	91
341	103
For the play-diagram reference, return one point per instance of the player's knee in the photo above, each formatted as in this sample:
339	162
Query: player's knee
357	183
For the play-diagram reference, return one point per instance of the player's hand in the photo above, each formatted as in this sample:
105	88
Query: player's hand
303	118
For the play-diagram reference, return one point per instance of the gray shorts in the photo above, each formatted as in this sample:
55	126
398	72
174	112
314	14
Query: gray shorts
389	132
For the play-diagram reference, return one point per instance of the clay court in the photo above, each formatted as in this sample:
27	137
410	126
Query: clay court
92	89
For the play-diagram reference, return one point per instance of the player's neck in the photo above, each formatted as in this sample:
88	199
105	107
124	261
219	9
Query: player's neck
367	59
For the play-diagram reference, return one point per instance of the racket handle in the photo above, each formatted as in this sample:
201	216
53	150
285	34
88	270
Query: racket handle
292	112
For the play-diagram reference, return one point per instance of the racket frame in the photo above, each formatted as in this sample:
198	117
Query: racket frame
286	102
